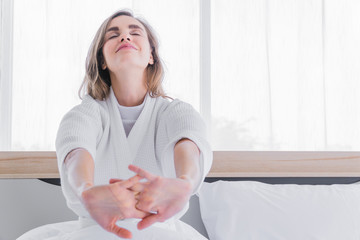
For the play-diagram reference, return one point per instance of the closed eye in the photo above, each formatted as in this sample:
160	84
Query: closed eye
113	36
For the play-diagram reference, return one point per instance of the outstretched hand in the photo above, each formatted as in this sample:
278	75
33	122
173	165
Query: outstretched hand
109	203
165	196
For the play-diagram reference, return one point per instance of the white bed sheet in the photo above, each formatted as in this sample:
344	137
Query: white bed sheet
89	230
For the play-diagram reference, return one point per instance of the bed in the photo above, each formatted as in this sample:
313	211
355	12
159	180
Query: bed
254	195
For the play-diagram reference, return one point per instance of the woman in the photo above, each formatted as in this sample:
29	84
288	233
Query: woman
128	157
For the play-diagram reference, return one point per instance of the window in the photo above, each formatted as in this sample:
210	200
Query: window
283	74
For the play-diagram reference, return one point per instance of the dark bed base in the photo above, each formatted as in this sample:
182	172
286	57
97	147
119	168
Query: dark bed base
291	180
269	180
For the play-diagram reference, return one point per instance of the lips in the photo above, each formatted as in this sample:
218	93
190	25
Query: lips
125	45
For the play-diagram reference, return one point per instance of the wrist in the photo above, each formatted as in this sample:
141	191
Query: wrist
190	182
81	189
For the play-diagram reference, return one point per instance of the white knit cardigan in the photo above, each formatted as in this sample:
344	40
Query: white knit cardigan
97	127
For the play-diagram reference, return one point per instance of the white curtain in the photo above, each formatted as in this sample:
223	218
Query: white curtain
51	40
284	73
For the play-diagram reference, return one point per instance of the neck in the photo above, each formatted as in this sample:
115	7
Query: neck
129	87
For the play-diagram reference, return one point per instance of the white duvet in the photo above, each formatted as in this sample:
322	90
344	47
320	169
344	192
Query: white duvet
89	230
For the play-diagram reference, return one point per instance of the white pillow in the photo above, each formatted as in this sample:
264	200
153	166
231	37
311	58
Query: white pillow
254	210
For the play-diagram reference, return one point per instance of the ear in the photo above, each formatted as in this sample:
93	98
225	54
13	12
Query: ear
102	60
103	66
151	61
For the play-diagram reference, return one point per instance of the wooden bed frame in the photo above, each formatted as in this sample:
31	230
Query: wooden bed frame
226	164
264	166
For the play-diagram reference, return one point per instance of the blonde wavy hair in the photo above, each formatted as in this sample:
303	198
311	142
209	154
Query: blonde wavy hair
97	81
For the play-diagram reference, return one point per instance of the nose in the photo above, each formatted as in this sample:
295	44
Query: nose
125	36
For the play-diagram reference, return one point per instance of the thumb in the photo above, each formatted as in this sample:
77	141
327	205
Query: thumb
121	232
148	221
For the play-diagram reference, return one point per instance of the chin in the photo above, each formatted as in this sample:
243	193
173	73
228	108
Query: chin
126	65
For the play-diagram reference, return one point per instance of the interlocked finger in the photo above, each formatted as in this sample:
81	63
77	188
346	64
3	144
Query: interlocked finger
139	187
141	172
115	180
131	181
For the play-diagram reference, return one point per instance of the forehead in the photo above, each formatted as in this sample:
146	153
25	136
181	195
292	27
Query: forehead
124	22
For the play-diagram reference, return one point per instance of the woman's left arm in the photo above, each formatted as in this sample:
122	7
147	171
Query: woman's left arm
187	162
168	196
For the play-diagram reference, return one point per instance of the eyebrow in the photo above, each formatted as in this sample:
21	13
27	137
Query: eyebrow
131	26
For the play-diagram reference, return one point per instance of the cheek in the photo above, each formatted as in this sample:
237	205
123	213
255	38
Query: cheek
147	50
107	50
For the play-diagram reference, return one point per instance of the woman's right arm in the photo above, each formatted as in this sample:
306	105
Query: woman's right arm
80	170
106	203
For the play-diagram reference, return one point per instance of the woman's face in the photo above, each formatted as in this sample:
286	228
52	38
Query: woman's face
126	45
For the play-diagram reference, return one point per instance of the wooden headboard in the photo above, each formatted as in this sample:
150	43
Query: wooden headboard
226	164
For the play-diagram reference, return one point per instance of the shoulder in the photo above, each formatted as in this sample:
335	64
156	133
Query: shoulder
88	109
90	103
177	110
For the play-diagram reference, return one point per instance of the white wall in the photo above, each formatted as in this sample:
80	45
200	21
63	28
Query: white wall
29	203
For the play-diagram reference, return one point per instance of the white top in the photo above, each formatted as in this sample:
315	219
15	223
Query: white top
97	127
129	115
